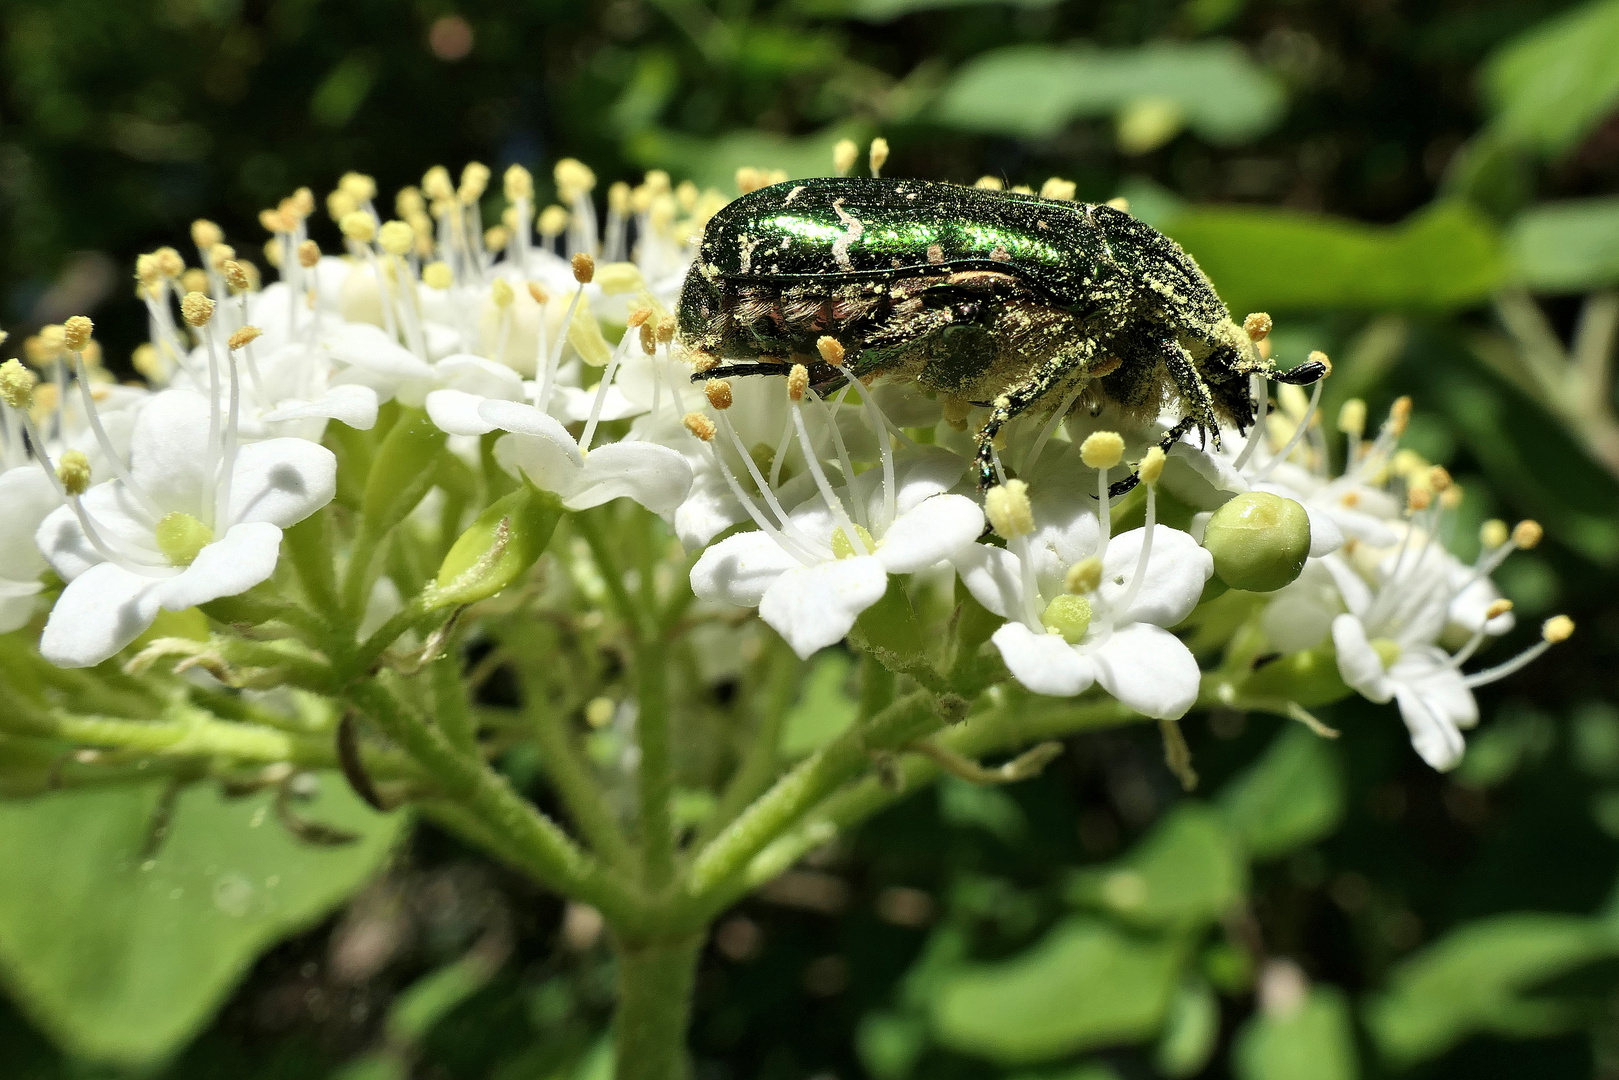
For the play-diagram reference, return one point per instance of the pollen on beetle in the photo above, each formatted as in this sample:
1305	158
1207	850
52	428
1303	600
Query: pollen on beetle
17	384
205	234
700	426
878	155
1008	509
196	308
1085	576
1257	325
1152	465
76	332
844	155
719	394
1400	415
831	350
235	276
1058	188
1102	449
501	293
797	382
1557	628
308	254
584	268
438	275
1527	533
704	361
73	469
1497	609
242	337
989	183
1119	203
535	292
396	238
1318	357
1352	417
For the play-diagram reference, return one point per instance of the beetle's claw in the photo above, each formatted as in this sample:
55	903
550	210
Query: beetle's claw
1306	373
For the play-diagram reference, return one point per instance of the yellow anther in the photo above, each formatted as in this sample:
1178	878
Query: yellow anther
1022	189
649	338
17	384
501	293
241	338
1152	466
1557	628
437	275
553	219
749	179
146	269
1352	417
339	204
235	276
272	221
666	331
76	332
1400	415
831	350
877	156
219	255
169	263
358	226
1085	576
205	234
436	183
719	393
308	254
272	251
1493	533
474	182
1102	449
619	277
196	308
989	183
1257	325
1451	497
700	426
396	238
1318	357
574	178
495	238
843	156
1497	609
303	201
618	197
584	268
358	185
73	469
637	317
536	291
145	361
409	202
1527	533
1438	478
657	182
1409	464
686	195
1008	509
1058	188
797	382
1418	498
519	183
1119	203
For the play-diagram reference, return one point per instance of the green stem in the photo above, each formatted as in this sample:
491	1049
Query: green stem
655	980
759	764
452	713
655	773
310	546
570	775
585	524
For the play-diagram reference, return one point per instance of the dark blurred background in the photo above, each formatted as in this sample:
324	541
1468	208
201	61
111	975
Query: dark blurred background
1423	188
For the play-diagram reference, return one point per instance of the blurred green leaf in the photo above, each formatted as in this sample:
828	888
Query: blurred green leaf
343	91
824	707
1186	873
878	11
714	162
1293	796
1550	87
1085	984
1314	1041
1479	979
1034	91
889	1044
1570	246
1443	257
120	955
1088	1071
982	805
1190	1032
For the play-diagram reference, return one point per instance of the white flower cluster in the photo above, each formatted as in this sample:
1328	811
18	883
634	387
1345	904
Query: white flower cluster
823	500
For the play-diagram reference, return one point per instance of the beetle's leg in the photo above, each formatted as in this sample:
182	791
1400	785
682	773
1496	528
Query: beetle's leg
1306	373
1194	392
1169	439
1014	403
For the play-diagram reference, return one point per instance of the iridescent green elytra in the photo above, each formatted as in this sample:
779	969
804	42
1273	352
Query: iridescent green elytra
988	298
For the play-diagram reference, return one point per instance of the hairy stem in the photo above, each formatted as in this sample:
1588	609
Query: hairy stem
655	980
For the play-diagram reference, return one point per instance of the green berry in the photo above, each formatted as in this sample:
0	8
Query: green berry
1259	541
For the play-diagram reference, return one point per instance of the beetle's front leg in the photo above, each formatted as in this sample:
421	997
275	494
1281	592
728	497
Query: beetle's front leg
1015	402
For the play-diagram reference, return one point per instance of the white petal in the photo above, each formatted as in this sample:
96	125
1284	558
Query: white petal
456	412
549	464
480	376
709	510
521	419
16	607
935	529
281	481
654	476
815	606
349	404
1044	663
1325	536
993	576
577	404
118	521
1358	663
237	561
100	612
1148	669
739	569
369	347
27	498
1433	736
1177	570
169	451
1426	670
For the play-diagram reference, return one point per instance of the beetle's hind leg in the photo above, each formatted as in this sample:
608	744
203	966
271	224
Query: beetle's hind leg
1196	399
820	373
1017	400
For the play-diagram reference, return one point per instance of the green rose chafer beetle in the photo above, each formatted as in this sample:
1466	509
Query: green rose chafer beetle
998	299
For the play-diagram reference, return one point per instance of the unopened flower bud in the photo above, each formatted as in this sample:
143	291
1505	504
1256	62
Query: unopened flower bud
797	382
396	238
1008	509
1527	533
196	308
438	275
1068	616
831	350
1058	188
308	254
242	337
584	268
1259	541
1257	326
358	226
73	469
17	384
1352	417
76	333
1085	576
699	425
719	393
843	156
1102	449
1152	465
1557	628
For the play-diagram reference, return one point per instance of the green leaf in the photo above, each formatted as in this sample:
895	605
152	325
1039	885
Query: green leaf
1190	1032
1480	979
120	956
889	1044
1291	797
1549	88
824	707
1570	246
1086	984
1185	874
1314	1041
879	11
1034	91
984	806
1443	257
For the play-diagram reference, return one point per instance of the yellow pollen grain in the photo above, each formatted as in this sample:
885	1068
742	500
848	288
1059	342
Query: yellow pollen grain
242	337
1418	498
1557	628
719	394
618	197
1008	509
358	186
700	426
637	317
1527	533
1058	188
584	268
17	384
1102	449
196	308
169	263
1152	466
76	332
1498	609
308	254
797	382
73	469
1439	478
831	350
438	275
649	338
1257	325
844	155
496	238
1352	417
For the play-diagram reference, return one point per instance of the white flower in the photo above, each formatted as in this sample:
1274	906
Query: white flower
28	496
193	523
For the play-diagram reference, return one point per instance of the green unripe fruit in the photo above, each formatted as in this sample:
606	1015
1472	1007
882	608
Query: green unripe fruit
498	548
1259	541
1068	615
